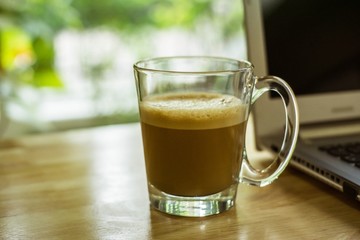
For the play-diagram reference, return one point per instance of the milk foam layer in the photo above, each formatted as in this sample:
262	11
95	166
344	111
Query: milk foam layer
192	110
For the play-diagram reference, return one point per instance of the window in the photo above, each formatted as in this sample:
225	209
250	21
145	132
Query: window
67	64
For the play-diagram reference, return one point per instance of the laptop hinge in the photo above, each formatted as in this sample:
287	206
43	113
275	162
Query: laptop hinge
330	130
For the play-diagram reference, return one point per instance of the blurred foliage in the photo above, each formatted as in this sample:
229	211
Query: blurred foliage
27	30
132	15
28	27
39	17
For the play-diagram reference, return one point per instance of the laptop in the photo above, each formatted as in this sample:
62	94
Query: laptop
315	47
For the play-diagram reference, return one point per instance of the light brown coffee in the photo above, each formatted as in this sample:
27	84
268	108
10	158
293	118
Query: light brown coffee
192	142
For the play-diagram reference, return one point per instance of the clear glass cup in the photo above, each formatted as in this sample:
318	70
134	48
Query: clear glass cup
193	113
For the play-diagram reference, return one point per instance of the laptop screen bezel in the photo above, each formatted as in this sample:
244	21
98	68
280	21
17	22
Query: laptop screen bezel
314	108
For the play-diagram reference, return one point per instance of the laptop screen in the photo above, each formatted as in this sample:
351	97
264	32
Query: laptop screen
329	31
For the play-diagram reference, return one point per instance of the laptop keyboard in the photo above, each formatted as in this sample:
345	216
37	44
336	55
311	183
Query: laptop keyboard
349	152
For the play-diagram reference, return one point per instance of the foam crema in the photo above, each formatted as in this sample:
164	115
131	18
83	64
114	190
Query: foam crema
194	110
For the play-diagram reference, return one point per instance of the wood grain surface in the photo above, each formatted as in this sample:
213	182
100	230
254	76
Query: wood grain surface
91	184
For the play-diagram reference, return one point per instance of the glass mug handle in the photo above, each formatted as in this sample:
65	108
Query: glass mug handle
263	177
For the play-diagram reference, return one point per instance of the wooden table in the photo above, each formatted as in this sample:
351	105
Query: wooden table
91	184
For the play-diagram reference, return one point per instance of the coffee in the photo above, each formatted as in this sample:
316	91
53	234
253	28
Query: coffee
192	142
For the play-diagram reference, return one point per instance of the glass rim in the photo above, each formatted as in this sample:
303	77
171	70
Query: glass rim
248	65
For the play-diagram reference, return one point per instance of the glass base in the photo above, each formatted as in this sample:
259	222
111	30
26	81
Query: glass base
193	206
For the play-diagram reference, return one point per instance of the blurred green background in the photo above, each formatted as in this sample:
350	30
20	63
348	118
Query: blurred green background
68	63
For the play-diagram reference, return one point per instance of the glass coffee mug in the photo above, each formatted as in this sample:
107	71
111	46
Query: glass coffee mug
194	112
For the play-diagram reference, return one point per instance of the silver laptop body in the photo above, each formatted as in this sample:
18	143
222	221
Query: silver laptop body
315	47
